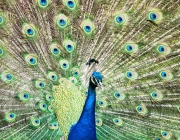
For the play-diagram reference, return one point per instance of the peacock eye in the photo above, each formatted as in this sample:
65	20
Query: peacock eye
29	30
50	109
131	48
31	59
62	21
53	126
64	64
139	109
10	117
86	93
71	4
52	76
131	75
88	26
155	15
49	97
157	95
54	48
142	110
163	49
39	84
55	51
154	94
119	96
121	19
73	80
69	45
165	134
6	77
75	72
163	74
43	2
99	122
102	103
50	126
42	106
166	75
35	122
118	121
24	96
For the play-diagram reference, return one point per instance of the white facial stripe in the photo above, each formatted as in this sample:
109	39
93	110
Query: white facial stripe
92	80
96	80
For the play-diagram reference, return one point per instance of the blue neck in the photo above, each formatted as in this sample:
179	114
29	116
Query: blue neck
85	129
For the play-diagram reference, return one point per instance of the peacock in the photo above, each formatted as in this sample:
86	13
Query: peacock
89	70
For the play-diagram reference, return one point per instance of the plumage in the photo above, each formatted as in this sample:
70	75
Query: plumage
51	52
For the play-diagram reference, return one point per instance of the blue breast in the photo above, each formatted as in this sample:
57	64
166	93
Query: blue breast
85	129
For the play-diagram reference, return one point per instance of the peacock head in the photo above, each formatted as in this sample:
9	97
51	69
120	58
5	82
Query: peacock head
96	79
